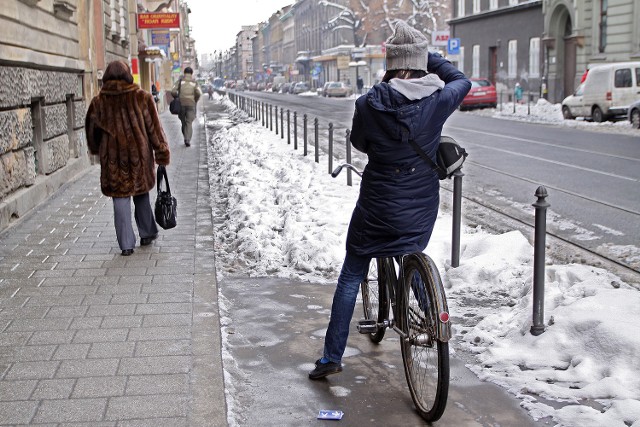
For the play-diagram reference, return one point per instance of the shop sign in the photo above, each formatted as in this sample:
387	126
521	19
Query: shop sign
158	20
160	37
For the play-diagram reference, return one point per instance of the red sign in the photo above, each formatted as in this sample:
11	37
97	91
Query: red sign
158	20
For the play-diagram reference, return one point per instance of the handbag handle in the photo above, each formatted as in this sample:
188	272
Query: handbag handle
162	173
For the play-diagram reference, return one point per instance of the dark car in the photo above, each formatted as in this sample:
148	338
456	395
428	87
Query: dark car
482	94
285	87
300	87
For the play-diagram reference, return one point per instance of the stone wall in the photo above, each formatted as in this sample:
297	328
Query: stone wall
41	125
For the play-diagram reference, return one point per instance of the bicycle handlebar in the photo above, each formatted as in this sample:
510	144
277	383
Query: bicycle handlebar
337	170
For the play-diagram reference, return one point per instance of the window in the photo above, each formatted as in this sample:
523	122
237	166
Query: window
602	43
475	66
637	72
534	57
461	62
461	7
622	78
476	6
513	59
493	4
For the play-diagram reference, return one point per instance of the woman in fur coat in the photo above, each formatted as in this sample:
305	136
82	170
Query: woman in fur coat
123	128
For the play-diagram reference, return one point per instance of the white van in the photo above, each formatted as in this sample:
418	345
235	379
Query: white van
606	93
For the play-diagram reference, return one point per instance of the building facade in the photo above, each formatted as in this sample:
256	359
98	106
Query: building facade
545	45
53	54
500	41
578	35
48	73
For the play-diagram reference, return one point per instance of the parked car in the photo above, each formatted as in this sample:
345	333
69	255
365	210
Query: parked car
339	89
300	87
285	87
634	114
253	86
482	94
324	88
606	93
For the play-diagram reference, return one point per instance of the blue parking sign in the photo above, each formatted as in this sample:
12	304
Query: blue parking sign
453	46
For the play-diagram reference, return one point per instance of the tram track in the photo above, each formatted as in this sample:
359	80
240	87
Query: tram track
507	218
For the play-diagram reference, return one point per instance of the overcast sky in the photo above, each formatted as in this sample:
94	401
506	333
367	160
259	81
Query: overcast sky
215	24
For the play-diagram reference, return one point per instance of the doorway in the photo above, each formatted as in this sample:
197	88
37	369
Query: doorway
493	64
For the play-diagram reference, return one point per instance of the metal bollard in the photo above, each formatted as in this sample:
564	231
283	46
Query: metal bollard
500	101
270	117
529	104
304	139
457	214
281	123
541	206
276	119
295	130
348	147
262	112
316	141
288	126
330	147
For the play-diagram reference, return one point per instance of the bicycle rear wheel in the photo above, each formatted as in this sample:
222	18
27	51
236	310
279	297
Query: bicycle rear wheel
375	300
425	359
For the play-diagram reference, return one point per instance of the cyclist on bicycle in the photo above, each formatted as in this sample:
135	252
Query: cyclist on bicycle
399	193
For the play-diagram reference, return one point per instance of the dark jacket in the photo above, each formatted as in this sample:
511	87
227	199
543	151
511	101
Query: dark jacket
399	193
123	128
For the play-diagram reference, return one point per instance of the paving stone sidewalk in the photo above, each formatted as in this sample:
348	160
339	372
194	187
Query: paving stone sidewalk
89	337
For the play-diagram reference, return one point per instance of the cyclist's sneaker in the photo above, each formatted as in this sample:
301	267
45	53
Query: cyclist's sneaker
324	369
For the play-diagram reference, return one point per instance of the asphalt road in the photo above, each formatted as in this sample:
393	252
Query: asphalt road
592	178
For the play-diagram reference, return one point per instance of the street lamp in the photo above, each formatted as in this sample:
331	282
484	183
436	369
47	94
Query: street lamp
357	64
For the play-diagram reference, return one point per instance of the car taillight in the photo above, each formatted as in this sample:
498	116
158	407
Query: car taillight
609	96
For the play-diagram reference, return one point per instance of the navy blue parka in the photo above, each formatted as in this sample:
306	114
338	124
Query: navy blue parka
399	193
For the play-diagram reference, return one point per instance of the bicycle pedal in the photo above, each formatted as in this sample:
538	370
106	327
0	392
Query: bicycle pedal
365	326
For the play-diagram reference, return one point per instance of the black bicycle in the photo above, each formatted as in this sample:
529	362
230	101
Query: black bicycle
410	289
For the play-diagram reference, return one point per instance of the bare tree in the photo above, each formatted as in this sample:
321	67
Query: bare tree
374	19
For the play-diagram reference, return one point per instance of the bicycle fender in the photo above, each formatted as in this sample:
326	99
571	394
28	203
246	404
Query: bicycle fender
437	294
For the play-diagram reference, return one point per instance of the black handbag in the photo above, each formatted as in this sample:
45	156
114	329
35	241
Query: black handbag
174	105
449	157
166	205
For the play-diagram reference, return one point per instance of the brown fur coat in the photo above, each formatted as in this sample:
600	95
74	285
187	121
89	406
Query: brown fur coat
123	128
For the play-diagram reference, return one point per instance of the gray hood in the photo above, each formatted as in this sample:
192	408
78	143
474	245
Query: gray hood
420	88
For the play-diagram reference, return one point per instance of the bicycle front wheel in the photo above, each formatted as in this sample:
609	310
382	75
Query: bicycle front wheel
425	358
375	300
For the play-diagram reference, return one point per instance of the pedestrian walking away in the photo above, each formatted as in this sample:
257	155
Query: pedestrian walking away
210	91
123	128
399	193
189	92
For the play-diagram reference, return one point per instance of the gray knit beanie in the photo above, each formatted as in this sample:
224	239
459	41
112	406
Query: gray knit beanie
407	49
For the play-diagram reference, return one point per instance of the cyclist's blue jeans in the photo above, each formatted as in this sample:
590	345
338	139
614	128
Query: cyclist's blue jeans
354	270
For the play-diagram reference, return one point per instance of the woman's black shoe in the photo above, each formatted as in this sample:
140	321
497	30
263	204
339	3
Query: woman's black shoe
324	369
127	252
147	240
